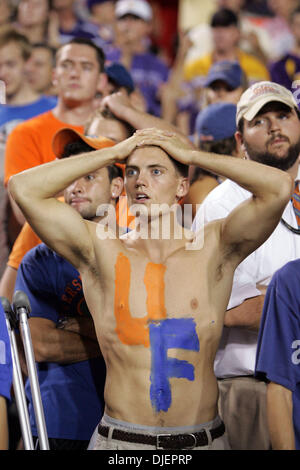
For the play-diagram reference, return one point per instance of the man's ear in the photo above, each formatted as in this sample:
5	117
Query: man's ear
241	149
102	82
54	79
116	187
183	188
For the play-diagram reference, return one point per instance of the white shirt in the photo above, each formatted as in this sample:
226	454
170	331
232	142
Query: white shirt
237	349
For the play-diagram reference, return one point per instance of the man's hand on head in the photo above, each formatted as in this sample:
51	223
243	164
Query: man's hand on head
173	143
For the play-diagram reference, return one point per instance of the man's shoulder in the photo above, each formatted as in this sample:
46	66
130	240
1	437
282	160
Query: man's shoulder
252	64
288	275
150	61
32	124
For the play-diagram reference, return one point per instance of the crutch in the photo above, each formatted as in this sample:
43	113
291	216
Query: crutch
11	323
21	307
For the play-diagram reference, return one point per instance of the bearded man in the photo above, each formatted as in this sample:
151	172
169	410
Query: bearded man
268	132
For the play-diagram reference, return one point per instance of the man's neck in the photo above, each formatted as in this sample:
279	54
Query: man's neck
24	96
220	55
160	238
74	115
35	33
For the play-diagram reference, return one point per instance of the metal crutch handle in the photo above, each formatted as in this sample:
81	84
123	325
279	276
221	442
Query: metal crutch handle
18	385
21	307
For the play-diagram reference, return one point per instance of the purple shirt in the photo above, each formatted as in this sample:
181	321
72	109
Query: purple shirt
148	73
286	70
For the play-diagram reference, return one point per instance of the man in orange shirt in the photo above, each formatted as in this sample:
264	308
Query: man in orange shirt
78	74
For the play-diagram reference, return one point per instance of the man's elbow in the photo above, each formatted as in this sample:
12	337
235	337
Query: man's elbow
19	189
286	188
14	187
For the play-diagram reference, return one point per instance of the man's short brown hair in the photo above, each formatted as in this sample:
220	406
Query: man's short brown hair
13	36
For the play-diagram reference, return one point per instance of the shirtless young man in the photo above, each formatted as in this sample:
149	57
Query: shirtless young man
158	307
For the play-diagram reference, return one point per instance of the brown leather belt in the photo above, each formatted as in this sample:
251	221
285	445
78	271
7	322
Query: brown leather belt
165	441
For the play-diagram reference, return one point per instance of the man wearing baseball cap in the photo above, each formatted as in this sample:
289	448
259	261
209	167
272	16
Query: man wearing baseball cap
225	81
214	132
70	367
268	132
133	28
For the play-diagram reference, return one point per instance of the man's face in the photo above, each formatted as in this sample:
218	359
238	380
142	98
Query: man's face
33	12
39	69
132	29
12	68
225	39
109	128
151	178
273	136
220	91
89	192
76	75
104	12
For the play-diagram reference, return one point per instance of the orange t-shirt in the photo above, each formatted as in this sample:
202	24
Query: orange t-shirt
30	143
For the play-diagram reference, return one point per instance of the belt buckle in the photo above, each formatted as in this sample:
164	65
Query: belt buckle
158	446
194	444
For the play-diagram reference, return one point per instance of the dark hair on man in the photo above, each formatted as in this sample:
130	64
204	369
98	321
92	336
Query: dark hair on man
181	168
223	147
240	126
79	146
224	18
13	36
87	42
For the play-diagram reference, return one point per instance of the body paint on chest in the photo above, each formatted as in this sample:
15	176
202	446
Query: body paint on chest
173	333
154	330
133	330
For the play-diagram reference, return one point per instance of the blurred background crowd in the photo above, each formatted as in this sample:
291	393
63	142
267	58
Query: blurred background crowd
168	47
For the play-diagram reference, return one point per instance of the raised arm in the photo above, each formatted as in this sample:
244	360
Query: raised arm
253	221
58	225
120	105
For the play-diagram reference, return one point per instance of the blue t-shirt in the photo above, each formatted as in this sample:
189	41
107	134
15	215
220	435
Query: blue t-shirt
5	358
285	71
278	350
72	394
148	73
11	115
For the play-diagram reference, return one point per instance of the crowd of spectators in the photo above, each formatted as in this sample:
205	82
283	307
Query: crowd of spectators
134	63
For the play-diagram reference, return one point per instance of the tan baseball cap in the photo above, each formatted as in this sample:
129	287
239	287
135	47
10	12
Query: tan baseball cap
66	135
259	94
140	8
